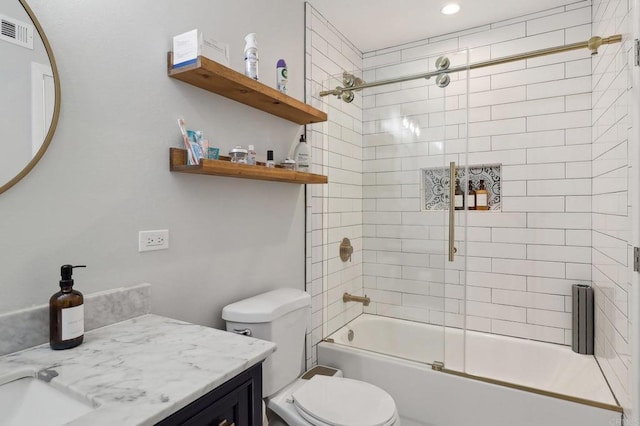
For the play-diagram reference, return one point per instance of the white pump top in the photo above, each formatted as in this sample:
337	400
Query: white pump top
266	307
250	40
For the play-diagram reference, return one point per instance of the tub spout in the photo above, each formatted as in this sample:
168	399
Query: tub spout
351	298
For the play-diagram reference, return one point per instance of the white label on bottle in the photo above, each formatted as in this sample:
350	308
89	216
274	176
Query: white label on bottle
281	80
459	201
481	199
72	323
302	160
471	201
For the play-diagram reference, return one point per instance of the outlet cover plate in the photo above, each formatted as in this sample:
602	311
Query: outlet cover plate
153	240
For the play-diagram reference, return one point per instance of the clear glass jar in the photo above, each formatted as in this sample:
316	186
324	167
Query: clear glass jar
238	155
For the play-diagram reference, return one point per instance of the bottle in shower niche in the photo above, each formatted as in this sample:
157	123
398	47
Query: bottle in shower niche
459	197
251	56
301	155
482	197
471	196
66	313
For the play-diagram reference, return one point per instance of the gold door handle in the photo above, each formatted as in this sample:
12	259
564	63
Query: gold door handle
225	422
452	210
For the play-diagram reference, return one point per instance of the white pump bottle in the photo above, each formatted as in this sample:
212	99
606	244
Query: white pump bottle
251	56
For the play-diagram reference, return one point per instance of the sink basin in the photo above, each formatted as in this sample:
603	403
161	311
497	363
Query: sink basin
29	401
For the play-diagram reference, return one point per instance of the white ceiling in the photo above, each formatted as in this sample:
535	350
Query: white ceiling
376	24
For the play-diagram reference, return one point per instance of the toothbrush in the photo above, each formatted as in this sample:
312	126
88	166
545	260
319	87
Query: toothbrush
192	159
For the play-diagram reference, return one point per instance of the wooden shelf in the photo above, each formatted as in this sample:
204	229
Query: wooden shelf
214	77
178	163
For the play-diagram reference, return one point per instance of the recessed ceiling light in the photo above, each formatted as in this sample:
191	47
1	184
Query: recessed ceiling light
450	9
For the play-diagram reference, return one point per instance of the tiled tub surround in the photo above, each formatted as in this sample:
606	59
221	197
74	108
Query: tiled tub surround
533	117
536	118
30	326
139	371
559	124
612	202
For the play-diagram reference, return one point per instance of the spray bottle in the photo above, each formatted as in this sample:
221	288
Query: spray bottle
281	76
251	56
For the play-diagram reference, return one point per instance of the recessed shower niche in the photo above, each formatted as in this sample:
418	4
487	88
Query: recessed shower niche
435	185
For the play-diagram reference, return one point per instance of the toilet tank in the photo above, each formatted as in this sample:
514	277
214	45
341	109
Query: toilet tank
279	316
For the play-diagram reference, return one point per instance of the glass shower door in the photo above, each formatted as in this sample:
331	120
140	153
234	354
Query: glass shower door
400	263
443	202
388	151
455	92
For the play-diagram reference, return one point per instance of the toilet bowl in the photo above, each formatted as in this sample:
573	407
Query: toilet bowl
320	397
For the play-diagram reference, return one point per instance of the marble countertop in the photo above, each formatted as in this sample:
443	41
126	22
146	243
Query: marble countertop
139	371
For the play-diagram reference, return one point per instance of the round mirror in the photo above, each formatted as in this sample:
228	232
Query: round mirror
30	101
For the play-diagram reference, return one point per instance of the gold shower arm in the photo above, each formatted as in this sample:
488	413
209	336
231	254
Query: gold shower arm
592	44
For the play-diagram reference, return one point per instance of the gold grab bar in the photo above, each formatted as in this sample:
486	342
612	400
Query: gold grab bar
452	210
351	298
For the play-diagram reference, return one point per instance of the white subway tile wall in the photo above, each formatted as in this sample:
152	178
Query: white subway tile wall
532	116
611	226
334	211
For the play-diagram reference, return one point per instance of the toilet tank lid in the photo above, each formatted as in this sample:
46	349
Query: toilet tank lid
266	307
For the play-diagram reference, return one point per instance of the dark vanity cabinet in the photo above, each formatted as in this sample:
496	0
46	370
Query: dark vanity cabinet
238	402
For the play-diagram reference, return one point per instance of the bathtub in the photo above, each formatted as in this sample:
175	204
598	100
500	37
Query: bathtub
507	381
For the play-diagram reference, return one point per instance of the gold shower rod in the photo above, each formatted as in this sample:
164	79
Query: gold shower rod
592	44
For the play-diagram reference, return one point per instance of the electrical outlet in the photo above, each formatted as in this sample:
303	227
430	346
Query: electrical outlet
153	240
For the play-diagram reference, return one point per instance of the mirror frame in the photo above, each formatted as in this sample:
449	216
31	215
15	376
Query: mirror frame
56	108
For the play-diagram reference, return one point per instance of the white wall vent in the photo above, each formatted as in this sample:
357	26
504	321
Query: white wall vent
16	32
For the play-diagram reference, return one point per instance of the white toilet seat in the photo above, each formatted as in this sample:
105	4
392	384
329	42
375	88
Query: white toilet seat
336	401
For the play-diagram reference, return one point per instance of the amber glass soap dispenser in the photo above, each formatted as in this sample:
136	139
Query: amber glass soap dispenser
66	313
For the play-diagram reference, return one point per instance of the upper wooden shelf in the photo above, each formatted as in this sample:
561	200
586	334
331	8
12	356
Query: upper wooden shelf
214	77
178	163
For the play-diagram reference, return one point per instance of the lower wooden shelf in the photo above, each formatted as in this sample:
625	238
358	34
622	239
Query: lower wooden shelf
178	163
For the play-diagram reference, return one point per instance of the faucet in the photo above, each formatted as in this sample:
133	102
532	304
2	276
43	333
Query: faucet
351	298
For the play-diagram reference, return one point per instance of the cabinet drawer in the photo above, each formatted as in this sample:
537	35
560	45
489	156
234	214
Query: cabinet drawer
232	409
237	402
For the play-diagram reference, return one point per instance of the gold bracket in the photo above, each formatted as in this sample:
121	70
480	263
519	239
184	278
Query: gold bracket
437	365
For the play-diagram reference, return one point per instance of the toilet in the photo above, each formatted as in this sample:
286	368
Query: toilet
321	396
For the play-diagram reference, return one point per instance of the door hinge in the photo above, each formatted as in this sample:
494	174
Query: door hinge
636	50
636	259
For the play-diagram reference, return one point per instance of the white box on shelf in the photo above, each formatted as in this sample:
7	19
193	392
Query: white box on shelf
188	46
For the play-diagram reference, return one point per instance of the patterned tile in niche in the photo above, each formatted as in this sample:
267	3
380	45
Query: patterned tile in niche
435	185
435	189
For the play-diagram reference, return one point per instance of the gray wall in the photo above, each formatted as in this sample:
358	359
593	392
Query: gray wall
105	175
